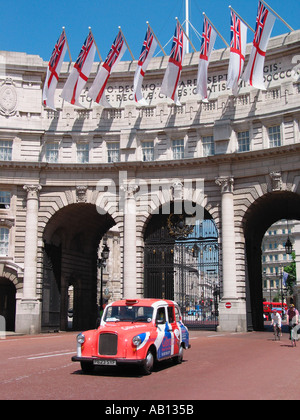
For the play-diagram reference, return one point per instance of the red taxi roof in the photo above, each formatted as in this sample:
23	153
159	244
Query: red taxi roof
140	302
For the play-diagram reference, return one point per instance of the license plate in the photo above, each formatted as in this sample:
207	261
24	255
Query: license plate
105	362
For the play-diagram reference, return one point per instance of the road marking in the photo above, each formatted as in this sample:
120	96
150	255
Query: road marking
216	335
50	355
37	354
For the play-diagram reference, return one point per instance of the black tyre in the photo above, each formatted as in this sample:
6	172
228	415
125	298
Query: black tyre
179	358
148	364
87	367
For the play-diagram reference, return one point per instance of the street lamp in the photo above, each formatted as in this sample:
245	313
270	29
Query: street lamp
288	246
102	264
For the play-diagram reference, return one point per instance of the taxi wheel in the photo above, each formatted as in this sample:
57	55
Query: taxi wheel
179	358
149	363
87	367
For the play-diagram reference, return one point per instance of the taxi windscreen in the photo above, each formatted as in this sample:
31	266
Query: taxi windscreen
128	314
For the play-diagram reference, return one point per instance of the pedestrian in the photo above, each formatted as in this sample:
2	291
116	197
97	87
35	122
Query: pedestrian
276	320
292	318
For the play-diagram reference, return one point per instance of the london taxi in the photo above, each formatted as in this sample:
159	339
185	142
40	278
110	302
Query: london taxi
138	332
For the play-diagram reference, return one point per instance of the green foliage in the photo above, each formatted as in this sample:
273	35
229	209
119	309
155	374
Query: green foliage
291	270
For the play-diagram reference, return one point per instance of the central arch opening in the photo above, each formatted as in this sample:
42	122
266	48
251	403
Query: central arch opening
71	241
260	216
181	263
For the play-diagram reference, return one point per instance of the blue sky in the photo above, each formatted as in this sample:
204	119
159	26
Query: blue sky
33	26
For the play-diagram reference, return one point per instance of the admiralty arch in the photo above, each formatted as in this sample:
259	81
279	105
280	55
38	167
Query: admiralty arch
142	181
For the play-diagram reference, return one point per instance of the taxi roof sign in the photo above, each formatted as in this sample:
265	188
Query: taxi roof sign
131	301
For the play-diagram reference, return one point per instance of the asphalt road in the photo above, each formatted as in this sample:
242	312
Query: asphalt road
226	366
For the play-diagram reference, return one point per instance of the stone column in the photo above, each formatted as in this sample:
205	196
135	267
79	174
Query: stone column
129	241
28	307
231	309
228	237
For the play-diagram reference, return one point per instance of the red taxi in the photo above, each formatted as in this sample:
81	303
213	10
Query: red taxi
137	332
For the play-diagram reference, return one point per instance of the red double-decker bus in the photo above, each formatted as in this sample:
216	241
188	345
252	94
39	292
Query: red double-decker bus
269	306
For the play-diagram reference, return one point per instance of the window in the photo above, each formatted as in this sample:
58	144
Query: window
4	199
208	146
82	152
177	314
52	152
171	314
4	241
113	152
274	136
161	315
6	150
243	141
148	151
178	149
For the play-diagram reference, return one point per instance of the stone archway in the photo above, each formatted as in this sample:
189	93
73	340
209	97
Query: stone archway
71	241
267	210
181	263
8	303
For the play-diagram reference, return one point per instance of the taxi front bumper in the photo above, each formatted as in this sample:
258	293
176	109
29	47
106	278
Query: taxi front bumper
102	361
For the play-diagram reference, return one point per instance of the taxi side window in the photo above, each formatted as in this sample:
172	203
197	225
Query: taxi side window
177	314
161	316
171	314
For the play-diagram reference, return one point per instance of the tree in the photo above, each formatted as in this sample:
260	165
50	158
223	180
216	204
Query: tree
291	270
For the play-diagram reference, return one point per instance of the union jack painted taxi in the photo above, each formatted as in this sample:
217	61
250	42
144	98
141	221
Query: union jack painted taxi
134	332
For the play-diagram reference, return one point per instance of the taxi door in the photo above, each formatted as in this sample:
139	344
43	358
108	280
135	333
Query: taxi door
174	330
165	334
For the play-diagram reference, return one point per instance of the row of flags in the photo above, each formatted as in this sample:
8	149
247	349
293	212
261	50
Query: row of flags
253	74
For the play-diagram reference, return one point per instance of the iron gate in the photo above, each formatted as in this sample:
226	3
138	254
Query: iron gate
182	264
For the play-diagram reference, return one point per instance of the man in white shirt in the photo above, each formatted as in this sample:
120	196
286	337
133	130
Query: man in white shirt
276	321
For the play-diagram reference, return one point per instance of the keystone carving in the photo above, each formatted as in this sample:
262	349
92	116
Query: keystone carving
276	181
81	194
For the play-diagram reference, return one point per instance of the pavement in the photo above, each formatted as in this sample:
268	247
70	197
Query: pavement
219	366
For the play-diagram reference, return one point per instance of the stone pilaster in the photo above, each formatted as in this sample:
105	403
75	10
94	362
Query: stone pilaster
129	247
231	309
29	307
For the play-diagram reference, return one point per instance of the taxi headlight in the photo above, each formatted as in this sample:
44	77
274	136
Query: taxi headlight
80	338
136	341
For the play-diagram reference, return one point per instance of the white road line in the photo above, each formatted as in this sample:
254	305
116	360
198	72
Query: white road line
37	354
51	355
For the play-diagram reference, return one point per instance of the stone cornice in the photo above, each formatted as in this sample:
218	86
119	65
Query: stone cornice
210	161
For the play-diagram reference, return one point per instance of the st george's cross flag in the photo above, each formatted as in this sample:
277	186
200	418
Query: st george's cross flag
80	72
209	36
237	52
254	73
148	49
96	91
173	72
53	71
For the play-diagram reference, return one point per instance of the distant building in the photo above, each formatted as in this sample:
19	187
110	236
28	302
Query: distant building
274	257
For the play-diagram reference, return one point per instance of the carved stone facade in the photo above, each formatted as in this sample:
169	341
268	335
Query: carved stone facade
99	173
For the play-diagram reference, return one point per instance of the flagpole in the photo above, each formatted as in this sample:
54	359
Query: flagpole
251	29
216	30
276	14
186	35
156	39
63	28
132	56
90	29
187	18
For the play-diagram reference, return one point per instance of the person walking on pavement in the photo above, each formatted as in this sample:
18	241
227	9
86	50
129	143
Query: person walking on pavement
292	318
276	321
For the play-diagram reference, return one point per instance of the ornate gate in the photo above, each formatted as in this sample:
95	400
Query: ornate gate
182	264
